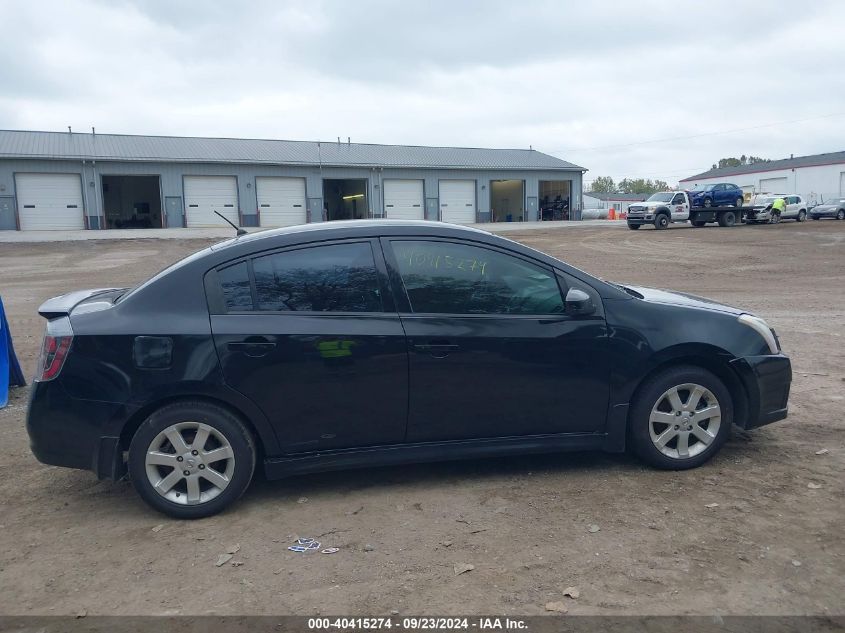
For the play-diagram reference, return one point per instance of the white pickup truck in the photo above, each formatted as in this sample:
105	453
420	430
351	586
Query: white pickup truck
661	209
665	207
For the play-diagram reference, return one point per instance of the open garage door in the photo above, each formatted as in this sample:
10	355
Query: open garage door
457	201
206	194
281	201
773	185
49	202
403	199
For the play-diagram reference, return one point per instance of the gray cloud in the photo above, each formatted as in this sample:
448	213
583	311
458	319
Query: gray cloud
564	77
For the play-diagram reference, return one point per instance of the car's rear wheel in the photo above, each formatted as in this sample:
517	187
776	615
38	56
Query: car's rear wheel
727	219
738	202
698	223
680	418
708	202
191	459
802	215
840	215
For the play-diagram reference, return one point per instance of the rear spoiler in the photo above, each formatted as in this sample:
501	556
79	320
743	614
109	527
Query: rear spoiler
62	306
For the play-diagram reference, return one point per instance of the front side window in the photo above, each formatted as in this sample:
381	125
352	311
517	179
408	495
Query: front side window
333	278
678	199
457	278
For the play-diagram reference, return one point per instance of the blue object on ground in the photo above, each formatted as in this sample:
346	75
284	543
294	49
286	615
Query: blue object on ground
10	369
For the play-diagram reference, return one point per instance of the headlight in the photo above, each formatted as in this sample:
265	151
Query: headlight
763	329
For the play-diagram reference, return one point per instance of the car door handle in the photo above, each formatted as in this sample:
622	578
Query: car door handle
438	349
255	348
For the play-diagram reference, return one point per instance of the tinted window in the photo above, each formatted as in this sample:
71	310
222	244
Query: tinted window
336	278
235	283
453	278
678	199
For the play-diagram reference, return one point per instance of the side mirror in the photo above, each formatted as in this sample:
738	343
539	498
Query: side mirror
578	303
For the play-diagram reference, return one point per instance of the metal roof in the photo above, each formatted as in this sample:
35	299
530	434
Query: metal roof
831	158
124	147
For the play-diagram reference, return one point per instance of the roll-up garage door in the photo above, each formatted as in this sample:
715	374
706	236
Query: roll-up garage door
206	194
49	201
773	185
457	201
403	199
281	201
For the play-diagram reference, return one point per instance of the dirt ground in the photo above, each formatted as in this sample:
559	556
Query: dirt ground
773	545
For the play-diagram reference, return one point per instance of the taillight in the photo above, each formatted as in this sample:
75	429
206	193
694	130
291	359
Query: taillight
53	355
57	342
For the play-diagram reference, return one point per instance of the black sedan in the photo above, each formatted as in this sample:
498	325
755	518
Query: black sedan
833	208
353	344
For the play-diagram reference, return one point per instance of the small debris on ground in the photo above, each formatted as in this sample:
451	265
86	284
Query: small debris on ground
822	451
368	548
813	485
446	543
237	563
158	527
223	559
796	563
462	568
330	550
572	592
557	607
234	549
302	545
592	529
302	500
354	512
81	614
712	505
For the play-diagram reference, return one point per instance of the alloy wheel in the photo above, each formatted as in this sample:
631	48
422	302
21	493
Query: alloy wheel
685	421
189	463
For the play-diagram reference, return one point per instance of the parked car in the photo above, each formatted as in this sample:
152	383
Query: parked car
353	344
796	209
716	195
832	208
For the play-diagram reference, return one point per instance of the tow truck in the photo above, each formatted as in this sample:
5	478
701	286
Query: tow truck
667	207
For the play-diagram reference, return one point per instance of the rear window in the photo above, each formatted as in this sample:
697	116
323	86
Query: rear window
234	281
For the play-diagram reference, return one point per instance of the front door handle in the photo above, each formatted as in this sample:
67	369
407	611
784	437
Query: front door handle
253	347
438	349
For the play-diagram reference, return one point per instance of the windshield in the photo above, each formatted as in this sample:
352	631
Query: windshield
664	196
834	201
703	187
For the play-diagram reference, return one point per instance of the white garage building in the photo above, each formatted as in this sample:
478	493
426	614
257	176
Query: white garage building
818	177
68	181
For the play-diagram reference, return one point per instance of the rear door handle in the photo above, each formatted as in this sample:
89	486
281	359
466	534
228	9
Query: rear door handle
254	348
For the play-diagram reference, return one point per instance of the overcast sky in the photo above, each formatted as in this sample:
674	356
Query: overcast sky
590	82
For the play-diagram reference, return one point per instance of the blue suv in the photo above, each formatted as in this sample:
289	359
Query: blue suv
723	194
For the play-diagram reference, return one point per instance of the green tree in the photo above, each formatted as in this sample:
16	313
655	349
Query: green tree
603	184
742	160
642	186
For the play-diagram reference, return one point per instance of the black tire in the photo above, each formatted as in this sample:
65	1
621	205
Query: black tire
222	422
698	223
708	202
633	227
802	215
650	395
738	202
840	215
661	221
727	219
815	217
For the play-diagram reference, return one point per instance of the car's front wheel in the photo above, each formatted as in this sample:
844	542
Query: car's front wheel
680	418
802	215
633	227
661	221
191	459
840	215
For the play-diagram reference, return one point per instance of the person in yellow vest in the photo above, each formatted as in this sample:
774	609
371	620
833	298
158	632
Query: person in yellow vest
778	207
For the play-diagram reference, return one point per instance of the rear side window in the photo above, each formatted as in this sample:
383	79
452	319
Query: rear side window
457	278
333	278
234	281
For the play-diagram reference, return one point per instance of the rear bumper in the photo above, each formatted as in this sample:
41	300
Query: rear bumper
65	431
767	380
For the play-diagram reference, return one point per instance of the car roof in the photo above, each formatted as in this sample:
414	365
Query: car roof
327	230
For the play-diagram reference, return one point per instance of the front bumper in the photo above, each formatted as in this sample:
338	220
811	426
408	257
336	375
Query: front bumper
767	380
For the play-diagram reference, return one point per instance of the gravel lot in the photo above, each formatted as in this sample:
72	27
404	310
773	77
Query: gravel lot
773	545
